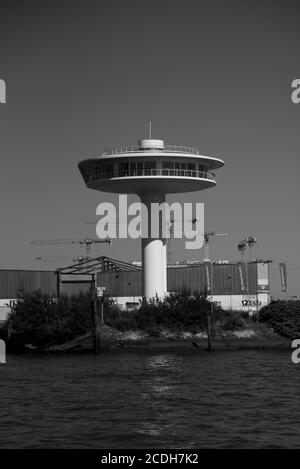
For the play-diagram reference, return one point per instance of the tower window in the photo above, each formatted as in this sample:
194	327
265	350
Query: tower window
149	165
109	170
167	165
123	169
191	168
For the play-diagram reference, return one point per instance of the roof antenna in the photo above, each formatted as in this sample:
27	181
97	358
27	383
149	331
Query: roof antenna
150	123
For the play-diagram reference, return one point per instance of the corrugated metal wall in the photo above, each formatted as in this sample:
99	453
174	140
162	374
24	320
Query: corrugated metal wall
75	288
121	283
11	281
228	279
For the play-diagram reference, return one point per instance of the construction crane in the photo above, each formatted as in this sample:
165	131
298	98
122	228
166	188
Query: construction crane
242	248
242	245
207	236
60	259
87	242
250	241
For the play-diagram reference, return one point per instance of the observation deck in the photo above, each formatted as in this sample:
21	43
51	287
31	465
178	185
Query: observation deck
150	166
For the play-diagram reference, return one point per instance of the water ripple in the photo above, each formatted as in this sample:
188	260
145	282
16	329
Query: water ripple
189	400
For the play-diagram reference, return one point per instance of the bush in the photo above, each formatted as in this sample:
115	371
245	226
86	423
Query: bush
122	320
233	322
40	320
283	317
178	310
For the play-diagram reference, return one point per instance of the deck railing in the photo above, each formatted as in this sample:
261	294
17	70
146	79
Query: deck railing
165	149
185	173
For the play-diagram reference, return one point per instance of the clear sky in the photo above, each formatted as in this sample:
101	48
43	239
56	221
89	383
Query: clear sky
84	76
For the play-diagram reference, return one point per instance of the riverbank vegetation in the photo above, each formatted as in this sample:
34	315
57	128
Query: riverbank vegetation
40	321
283	317
176	311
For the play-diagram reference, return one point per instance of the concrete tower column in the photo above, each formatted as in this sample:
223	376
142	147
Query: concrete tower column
165	285
153	251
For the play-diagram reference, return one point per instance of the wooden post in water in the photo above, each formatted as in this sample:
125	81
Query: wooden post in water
102	310
95	315
210	314
58	283
9	331
209	347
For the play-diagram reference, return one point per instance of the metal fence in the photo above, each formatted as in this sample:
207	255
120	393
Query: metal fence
165	149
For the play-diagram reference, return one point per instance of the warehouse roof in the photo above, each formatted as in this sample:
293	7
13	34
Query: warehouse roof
98	264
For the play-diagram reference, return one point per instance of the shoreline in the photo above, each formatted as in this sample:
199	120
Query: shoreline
116	342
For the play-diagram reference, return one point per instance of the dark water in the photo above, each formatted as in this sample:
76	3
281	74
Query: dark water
150	400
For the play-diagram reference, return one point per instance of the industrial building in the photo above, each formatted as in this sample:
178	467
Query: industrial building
243	286
151	169
233	285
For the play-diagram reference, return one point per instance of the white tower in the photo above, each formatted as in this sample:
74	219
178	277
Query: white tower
151	170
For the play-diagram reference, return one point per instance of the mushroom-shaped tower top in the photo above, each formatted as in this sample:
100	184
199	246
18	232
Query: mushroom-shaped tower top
150	166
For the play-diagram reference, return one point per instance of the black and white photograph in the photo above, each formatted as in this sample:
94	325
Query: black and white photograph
149	210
